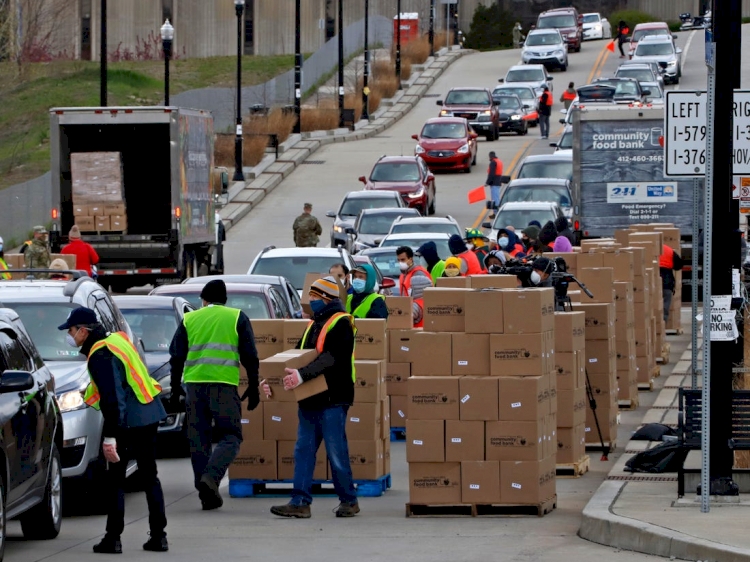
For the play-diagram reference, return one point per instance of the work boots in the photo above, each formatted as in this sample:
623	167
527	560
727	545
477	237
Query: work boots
291	510
108	546
208	492
346	509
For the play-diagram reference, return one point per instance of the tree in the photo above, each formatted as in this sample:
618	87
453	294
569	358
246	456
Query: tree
491	28
33	30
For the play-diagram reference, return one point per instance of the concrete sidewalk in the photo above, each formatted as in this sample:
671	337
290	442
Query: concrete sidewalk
640	512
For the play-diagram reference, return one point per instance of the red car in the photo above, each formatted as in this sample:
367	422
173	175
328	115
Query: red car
410	176
447	143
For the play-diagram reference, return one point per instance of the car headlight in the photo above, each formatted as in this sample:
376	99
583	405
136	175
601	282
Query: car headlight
559	53
445	113
417	193
70	401
672	63
464	149
338	229
515	117
419	150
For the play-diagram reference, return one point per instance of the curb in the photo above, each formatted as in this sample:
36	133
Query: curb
295	150
601	525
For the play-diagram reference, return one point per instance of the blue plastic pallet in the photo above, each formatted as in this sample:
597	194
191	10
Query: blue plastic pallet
247	488
398	434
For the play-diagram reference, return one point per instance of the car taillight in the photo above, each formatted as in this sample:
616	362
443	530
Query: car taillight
54	214
577	225
177	212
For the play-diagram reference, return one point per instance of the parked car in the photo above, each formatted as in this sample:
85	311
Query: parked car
547	47
372	225
555	190
596	27
154	320
641	71
566	20
528	96
649	29
553	165
352	203
476	106
533	75
626	91
447	143
405	225
31	438
407	175
512	112
386	262
520	214
415	239
565	145
655	93
662	50
257	300
285	288
43	305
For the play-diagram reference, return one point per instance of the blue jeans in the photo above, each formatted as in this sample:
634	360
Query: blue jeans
495	194
316	426
544	125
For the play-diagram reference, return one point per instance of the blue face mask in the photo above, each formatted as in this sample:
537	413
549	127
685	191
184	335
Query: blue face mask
317	305
358	285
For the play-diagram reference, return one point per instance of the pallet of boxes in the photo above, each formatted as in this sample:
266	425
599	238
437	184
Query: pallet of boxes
481	401
97	192
265	463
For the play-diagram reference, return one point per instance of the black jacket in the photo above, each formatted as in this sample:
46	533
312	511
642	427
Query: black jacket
178	351
117	401
563	229
335	363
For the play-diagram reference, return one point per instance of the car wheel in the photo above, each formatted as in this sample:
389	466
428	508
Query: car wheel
43	521
467	169
489	137
564	67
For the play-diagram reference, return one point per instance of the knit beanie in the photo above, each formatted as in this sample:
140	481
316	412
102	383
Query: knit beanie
326	287
75	233
548	233
215	292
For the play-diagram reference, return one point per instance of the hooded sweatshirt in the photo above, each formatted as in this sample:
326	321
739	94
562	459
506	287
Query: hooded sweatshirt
469	261
378	309
435	265
562	244
563	229
515	247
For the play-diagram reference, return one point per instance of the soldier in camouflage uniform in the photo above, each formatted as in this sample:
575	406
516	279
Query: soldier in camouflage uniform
37	255
306	228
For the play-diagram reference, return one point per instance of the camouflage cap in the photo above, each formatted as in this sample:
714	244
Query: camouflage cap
308	206
40	230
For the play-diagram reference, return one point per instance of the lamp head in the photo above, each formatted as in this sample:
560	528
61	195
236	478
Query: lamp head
167	31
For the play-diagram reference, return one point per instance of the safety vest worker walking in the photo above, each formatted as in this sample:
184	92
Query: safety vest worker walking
127	396
669	262
206	353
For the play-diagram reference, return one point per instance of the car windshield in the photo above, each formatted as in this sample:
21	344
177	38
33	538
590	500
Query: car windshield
640	74
388	264
554	194
467	97
566	142
520	218
376	224
154	326
562	170
549	22
591	18
537	39
653	49
435	227
525	75
442	244
352	207
600	92
444	131
523	93
394	171
508	102
639	34
41	321
252	304
294	268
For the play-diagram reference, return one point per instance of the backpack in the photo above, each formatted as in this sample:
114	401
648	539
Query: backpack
665	457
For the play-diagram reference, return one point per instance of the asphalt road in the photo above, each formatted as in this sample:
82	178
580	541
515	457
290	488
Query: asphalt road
244	528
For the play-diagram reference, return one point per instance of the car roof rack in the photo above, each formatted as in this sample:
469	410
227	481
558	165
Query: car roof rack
71	287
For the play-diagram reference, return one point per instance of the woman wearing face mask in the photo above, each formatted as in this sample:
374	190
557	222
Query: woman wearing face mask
364	303
452	267
508	242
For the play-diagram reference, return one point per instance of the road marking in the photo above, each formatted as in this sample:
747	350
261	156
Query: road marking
685	51
597	63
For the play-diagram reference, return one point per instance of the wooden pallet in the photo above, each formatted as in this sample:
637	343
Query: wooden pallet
574	470
677	332
249	488
627	404
481	509
646	386
663	359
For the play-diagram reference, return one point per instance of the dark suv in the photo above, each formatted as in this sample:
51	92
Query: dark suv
31	436
566	20
476	106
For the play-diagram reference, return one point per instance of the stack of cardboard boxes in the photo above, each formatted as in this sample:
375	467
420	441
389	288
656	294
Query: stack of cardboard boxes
482	398
98	200
17	261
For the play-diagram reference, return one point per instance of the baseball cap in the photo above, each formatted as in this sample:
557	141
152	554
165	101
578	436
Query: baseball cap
80	316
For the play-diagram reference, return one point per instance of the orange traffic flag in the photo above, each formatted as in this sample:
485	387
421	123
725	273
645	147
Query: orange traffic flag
611	46
476	195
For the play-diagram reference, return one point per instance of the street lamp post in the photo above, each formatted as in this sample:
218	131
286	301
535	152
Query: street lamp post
341	63
103	54
167	36
398	43
365	88
239	8
298	67
432	28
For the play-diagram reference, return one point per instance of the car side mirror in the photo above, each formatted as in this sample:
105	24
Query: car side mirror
562	121
473	136
415	137
663	64
351	231
378	241
604	19
387	283
674	36
504	179
331	214
16	381
501	80
550	78
363	179
486	225
526	106
439	102
646	92
553	144
678	50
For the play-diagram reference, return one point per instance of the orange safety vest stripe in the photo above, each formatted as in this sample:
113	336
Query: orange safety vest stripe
124	358
666	260
569	95
498	167
549	98
324	331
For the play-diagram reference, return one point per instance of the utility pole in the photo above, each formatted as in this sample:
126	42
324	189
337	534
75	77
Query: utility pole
103	54
365	87
432	28
398	43
341	63
297	67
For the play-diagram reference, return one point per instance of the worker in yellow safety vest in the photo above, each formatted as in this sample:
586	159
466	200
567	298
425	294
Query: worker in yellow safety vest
3	266
122	389
323	416
364	302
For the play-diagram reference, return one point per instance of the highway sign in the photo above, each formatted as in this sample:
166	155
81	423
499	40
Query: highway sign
685	133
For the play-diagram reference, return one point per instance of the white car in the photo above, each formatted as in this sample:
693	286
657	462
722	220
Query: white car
565	144
547	47
596	27
520	214
534	75
415	239
661	49
407	225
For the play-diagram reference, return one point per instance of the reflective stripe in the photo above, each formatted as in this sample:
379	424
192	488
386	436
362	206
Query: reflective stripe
215	346
4	266
212	361
363	309
327	327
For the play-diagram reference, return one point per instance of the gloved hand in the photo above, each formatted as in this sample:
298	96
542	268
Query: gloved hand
292	379
177	400
253	397
110	450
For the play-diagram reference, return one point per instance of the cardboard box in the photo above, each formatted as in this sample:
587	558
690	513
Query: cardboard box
621	263
272	369
670	237
514	441
293	331
385	418
588	259
444	309
453	283
435	483
71	261
520	355
366	459
527	482
269	337
80	210
571	259
252	428
480	482
599	281
464	441
433	398
471	354
571	444
651	240
478	302
639	259
425	441
607	416
400	345
114	209
313	387
523	398
399	313
258	462
118	223
396	375
528	311
363	422
370	383
280	421
642	337
571	407
102	223
645	367
86	224
600	320
399	408
387	456
570	331
431	354
493	281
601	356
285	461
371	342
479	398
624	296
568	367
602	385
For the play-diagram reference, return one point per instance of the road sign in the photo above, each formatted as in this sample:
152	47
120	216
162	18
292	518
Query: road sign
685	133
741	191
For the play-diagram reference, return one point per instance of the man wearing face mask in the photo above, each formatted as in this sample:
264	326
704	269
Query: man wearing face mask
412	282
509	243
540	272
123	390
322	417
342	272
3	266
364	303
465	252
529	236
